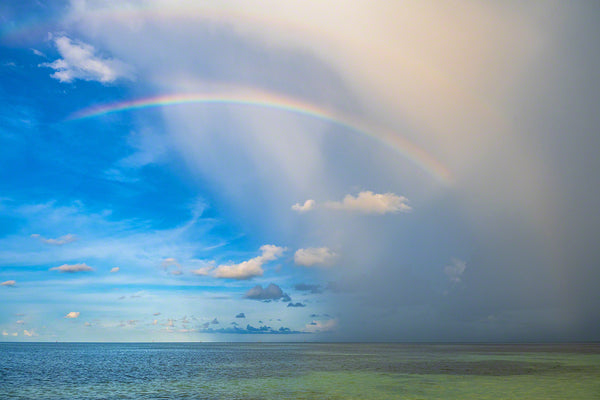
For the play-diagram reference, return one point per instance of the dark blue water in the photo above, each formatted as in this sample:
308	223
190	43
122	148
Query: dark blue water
297	371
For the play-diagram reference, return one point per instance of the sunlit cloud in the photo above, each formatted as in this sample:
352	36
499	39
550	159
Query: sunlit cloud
72	314
371	203
321	326
114	269
79	61
314	256
251	268
8	283
307	206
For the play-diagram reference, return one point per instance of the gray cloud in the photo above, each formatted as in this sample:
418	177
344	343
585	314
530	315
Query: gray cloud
308	287
241	315
271	292
296	305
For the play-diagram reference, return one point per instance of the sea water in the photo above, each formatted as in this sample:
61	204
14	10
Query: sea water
298	371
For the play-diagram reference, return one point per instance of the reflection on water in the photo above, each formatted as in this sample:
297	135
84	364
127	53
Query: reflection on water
298	371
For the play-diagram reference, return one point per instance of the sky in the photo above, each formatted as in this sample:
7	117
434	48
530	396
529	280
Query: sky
299	171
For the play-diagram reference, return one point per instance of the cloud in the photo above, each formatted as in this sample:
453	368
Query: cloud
79	61
455	270
321	326
371	203
314	256
307	287
307	206
296	305
29	333
20	322
271	292
114	269
366	202
263	329
8	283
71	268
214	321
241	315
38	53
203	271
72	314
251	268
68	238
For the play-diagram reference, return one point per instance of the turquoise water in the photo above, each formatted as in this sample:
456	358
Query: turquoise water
297	371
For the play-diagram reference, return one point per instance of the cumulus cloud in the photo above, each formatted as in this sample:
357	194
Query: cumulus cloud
241	315
314	256
365	202
72	314
251	268
307	206
68	238
79	61
8	283
263	329
114	269
368	202
71	268
271	292
455	270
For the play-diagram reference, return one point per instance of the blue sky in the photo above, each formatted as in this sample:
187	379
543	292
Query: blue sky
358	171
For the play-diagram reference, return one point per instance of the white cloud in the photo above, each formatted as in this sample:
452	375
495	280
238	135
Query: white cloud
4	333
72	314
38	53
314	256
307	206
70	268
68	238
29	333
251	268
114	269
368	202
455	270
8	283
79	61
202	271
20	322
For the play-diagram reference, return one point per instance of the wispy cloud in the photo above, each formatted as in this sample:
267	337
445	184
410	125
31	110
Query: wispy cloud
314	256
68	238
114	269
71	268
79	61
455	270
8	283
251	268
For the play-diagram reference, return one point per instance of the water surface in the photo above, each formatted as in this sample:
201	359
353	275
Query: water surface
298	371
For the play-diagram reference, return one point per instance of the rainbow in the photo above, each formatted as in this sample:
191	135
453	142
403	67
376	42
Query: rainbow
277	102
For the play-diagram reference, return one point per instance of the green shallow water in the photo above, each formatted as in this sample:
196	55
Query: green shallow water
298	371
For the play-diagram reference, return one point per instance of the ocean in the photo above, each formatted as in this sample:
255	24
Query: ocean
298	371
